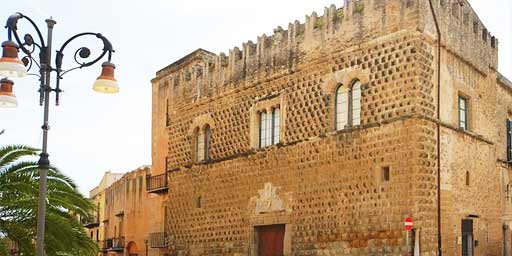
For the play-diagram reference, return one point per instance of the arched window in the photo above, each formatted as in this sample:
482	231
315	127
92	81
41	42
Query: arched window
341	107
355	110
207	141
276	118
199	137
348	105
203	140
270	127
265	129
467	179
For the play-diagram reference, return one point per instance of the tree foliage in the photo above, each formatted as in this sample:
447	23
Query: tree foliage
19	186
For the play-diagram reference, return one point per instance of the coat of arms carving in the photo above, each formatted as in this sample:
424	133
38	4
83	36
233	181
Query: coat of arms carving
269	200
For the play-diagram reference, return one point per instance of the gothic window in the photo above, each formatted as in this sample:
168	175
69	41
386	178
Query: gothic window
202	139
348	105
341	107
269	127
199	138
356	103
207	141
275	125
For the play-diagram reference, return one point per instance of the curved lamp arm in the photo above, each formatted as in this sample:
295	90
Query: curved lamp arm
12	27
28	46
83	53
28	41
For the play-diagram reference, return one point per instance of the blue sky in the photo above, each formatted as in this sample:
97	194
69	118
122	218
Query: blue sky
92	133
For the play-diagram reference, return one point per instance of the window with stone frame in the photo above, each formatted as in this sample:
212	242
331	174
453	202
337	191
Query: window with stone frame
167	115
348	105
202	138
509	140
269	127
463	112
207	141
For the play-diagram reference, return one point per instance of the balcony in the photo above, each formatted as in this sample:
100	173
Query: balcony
156	184
158	240
103	244
91	222
112	244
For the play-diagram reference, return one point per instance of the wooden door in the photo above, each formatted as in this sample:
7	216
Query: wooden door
270	240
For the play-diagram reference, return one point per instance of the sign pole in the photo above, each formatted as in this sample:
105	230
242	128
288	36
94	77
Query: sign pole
408	224
407	241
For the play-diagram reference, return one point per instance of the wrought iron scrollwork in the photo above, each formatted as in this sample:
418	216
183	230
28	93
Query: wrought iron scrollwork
83	53
28	46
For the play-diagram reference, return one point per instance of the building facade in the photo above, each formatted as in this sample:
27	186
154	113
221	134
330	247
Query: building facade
95	225
321	139
133	217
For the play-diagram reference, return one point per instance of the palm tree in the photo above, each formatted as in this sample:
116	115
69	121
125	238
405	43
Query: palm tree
19	182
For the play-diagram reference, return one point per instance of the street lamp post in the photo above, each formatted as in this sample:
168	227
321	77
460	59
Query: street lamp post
11	66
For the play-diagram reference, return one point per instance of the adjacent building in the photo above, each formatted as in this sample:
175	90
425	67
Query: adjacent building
95	226
131	217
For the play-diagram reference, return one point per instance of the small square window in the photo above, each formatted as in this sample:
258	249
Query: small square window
386	175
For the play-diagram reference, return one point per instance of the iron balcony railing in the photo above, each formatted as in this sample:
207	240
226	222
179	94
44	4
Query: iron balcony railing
91	222
157	183
103	244
112	244
158	240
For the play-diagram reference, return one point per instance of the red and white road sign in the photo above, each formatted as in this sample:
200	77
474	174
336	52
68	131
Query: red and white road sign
408	223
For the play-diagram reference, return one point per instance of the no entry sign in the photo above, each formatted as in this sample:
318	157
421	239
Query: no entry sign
408	223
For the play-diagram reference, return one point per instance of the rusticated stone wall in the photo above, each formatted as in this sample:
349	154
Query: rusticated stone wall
326	186
335	200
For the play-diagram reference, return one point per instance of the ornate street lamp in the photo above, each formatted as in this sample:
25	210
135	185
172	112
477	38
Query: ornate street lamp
11	67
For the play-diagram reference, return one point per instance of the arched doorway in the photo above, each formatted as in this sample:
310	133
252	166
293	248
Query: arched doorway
132	249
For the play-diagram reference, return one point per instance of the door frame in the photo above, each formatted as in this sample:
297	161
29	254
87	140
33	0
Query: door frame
269	219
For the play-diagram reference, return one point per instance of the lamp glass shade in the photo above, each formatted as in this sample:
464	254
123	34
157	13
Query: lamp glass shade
10	64
8	101
105	86
7	97
12	69
106	83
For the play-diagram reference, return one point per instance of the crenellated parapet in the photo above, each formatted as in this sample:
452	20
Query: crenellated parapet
357	21
202	73
463	33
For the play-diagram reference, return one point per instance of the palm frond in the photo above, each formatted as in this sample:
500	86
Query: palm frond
19	186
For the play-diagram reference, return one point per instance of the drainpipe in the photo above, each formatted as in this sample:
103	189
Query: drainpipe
438	129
